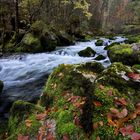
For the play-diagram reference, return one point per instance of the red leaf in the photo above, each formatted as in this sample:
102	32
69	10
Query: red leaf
134	76
50	136
128	130
76	121
21	137
66	137
40	116
97	103
120	101
135	136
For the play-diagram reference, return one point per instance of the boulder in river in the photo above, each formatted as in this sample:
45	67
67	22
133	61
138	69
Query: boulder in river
88	52
100	57
99	42
125	53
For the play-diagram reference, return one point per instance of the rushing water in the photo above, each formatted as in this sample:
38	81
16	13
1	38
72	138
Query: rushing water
24	75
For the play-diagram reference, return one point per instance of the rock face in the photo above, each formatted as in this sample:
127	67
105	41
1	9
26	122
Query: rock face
127	54
88	52
1	86
81	100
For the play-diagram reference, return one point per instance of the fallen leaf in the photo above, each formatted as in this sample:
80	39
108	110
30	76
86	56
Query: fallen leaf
40	116
28	123
98	138
128	130
134	76
66	137
77	121
97	103
135	136
123	113
95	126
114	110
40	136
101	87
120	101
21	137
50	136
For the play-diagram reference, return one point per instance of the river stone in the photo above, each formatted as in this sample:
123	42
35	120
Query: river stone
99	42
1	86
88	52
100	57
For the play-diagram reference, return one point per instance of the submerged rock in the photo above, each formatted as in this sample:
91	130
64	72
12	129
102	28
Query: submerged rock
100	57
88	52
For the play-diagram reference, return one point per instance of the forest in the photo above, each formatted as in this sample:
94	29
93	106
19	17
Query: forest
69	69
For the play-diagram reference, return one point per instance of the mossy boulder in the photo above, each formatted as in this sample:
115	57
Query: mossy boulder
69	89
111	86
121	53
88	52
99	42
100	57
1	86
30	43
19	113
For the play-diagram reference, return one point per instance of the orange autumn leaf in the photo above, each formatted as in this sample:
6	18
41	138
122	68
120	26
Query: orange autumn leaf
28	123
21	137
40	116
101	87
120	101
97	103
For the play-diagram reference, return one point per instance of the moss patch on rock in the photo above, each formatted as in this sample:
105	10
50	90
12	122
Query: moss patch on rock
88	52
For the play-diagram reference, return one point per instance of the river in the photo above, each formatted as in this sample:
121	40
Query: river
25	75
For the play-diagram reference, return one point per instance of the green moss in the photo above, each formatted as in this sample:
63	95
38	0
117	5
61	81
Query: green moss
99	42
30	43
132	39
122	53
136	67
88	52
15	127
111	45
21	109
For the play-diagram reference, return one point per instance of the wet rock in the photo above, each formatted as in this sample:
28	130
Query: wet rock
100	57
88	52
99	42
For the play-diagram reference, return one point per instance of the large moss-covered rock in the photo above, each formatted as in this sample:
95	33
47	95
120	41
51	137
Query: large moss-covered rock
30	43
21	114
127	54
1	86
132	39
70	89
88	52
113	87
